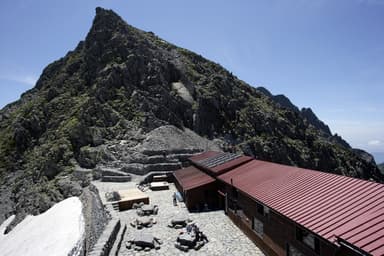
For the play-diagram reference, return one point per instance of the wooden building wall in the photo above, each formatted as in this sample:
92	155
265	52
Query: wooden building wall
278	232
196	198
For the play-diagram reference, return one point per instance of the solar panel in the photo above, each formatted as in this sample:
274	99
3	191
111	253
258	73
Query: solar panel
218	159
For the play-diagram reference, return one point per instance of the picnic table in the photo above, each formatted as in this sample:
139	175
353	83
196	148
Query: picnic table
147	209
179	221
187	239
193	238
143	221
143	241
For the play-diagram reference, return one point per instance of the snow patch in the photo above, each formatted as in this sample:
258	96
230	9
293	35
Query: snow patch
58	231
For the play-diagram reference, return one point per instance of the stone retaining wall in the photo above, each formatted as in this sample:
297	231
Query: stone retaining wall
149	177
116	178
120	237
105	242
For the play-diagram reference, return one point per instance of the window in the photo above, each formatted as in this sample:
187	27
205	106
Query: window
293	251
235	193
262	209
266	211
308	239
258	227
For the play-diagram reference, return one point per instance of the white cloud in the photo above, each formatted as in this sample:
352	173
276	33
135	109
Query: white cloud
30	80
25	79
367	135
374	142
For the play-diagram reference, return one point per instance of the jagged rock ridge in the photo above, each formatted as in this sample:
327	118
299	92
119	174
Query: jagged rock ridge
121	83
381	167
306	114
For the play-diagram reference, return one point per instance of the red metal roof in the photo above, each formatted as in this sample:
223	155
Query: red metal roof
329	205
191	177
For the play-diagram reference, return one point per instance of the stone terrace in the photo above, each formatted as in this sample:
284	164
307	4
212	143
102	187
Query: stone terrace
224	237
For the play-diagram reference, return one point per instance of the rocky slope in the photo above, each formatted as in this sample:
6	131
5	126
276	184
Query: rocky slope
305	113
381	167
121	83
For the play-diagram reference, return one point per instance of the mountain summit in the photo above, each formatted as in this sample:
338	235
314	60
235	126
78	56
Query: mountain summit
121	84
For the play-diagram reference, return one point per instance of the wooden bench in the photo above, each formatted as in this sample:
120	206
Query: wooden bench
161	185
156	178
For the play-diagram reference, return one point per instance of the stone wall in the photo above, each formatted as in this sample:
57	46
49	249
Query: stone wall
105	242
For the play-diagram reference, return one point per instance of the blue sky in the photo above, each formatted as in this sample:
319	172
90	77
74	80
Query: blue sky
323	54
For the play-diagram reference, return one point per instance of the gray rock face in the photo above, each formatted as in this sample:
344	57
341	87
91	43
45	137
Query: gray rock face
364	155
69	188
312	119
381	167
178	141
308	115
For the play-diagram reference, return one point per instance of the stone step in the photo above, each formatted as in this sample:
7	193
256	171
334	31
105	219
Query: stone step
115	206
112	172
142	169
179	157
124	178
152	159
163	166
155	159
150	152
134	168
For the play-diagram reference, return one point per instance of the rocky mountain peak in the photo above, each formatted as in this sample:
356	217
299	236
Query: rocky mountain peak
106	21
109	38
122	83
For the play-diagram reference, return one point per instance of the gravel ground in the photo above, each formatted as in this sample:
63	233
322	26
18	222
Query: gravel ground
224	237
